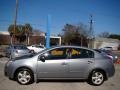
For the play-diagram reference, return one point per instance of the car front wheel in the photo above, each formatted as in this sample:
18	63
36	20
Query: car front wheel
24	76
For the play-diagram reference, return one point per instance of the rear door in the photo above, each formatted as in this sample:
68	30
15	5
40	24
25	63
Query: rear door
81	62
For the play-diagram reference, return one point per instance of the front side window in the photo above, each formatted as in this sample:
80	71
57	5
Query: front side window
58	53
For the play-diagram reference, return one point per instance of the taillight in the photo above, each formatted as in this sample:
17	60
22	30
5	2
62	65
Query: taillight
110	59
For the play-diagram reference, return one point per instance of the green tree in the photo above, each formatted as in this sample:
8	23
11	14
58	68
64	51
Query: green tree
12	32
21	32
68	33
114	36
75	34
28	31
84	33
104	34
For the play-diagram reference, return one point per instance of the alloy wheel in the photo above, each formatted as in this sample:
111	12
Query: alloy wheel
97	78
24	76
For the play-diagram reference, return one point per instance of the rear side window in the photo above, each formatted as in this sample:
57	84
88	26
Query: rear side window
81	53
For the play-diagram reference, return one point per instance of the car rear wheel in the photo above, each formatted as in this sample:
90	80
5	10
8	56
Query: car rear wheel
96	78
24	76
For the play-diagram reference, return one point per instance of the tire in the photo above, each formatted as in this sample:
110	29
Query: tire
24	76
96	78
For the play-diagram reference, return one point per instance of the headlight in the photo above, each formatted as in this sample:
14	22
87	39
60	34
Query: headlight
8	63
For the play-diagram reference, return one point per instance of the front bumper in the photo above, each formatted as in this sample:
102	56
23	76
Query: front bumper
5	69
8	69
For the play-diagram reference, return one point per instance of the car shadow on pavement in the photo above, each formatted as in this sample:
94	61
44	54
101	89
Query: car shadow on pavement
61	81
1	56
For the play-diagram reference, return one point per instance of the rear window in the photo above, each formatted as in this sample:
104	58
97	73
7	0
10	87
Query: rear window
97	50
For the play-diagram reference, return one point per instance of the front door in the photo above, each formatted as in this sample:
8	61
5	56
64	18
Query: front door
55	64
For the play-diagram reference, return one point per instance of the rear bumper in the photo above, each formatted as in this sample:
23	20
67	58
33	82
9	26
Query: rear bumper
111	71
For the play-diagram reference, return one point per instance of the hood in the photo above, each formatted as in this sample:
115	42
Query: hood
24	57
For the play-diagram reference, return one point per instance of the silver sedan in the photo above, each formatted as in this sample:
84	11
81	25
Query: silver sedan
14	51
62	62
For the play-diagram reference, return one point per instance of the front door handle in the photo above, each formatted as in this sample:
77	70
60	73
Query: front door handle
63	63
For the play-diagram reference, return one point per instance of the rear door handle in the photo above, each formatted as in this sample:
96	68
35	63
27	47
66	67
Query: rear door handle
90	62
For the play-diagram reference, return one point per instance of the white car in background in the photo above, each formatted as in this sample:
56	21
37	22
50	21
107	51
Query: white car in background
107	48
36	48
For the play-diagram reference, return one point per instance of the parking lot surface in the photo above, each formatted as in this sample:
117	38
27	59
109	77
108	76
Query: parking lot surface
6	84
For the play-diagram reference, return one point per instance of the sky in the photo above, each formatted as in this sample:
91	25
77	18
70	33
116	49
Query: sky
106	14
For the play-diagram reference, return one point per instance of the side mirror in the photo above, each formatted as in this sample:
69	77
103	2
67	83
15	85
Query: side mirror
42	58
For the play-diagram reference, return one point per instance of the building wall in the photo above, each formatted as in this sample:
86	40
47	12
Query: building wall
106	42
6	39
37	40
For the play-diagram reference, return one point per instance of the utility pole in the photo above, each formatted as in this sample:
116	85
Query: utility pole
15	18
91	36
91	26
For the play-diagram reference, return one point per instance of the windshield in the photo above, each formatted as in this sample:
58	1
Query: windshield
24	57
41	51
